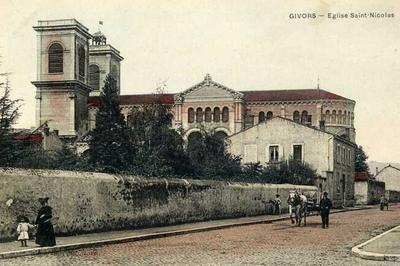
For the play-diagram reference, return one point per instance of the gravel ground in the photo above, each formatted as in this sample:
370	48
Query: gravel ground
279	243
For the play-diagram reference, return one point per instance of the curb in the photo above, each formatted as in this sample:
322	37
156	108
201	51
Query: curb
358	252
66	247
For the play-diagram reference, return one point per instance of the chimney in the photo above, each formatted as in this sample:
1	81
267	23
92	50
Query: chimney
46	131
322	125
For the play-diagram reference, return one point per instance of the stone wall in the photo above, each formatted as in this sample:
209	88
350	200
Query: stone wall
89	202
393	196
368	191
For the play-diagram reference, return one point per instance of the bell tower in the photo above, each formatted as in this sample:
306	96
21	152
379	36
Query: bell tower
62	76
104	59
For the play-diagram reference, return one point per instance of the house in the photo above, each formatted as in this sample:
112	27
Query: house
278	139
391	176
366	189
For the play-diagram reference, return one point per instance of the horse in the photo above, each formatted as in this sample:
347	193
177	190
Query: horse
297	208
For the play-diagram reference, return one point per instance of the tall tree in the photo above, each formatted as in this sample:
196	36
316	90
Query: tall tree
361	160
110	149
9	112
160	150
211	159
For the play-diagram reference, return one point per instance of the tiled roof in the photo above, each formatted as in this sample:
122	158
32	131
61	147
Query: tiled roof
249	96
137	99
29	137
290	95
146	98
361	176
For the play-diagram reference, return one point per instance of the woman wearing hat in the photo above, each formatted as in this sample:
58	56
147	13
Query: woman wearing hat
45	231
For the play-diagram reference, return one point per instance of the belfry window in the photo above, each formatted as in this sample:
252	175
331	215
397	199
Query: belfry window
225	114
94	77
56	58
270	115
81	61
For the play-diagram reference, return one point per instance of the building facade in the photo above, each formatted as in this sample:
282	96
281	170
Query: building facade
366	189
391	176
215	108
69	70
278	139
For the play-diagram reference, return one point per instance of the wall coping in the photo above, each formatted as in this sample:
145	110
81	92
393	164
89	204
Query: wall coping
137	179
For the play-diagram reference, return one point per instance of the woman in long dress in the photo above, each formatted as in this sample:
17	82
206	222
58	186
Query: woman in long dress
45	231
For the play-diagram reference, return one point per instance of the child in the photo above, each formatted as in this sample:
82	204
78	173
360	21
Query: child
22	229
278	203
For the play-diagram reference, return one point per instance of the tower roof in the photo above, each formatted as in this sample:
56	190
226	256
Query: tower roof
99	38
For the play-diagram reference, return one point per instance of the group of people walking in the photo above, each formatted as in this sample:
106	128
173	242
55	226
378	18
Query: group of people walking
44	228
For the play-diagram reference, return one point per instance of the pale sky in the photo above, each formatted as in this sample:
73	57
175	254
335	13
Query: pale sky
245	45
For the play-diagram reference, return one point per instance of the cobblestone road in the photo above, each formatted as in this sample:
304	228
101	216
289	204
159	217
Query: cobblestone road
279	243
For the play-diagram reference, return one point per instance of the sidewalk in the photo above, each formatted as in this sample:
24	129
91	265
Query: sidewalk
13	249
382	247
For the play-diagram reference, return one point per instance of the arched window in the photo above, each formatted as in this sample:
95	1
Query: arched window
56	58
261	117
304	117
269	115
217	114
344	118
81	61
94	77
190	115
199	115
207	114
225	114
339	117
296	116
333	117
327	117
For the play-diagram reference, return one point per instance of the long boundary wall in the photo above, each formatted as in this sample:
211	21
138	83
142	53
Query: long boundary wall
90	202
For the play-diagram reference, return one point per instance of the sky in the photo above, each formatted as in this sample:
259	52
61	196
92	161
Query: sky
245	45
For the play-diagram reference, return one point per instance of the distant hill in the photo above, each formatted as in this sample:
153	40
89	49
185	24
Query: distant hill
373	164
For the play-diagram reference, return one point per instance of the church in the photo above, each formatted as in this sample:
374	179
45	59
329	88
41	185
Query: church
73	63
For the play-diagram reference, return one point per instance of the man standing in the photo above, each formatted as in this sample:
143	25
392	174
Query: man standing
325	206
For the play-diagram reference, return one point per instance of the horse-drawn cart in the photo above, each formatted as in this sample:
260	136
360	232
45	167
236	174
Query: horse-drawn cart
301	206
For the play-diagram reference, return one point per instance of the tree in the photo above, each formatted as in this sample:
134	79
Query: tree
110	149
361	160
291	171
210	158
160	149
9	112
